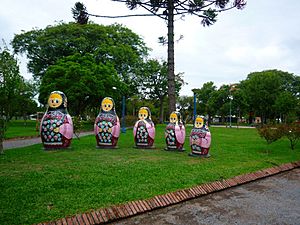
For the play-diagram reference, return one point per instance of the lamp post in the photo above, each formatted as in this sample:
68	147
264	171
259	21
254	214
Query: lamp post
230	98
123	126
232	87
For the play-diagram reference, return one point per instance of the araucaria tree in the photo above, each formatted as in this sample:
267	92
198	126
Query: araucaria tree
168	10
80	13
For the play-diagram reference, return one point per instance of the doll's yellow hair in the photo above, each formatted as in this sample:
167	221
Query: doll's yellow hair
55	95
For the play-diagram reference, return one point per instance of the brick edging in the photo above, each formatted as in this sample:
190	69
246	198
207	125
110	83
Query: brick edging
117	212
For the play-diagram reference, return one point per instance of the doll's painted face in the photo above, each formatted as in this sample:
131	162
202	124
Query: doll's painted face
55	100
173	118
199	122
107	104
143	114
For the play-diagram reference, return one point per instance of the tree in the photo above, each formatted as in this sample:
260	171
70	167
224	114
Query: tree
207	10
285	104
228	99
80	13
239	105
25	103
206	99
83	81
270	133
153	82
185	105
10	81
266	92
114	45
220	102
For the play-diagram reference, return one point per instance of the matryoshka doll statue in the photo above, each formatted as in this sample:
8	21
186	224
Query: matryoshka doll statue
175	133
56	126
107	125
144	129
200	138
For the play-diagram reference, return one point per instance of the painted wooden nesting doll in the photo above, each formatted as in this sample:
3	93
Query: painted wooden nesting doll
56	127
107	125
144	129
200	138
175	133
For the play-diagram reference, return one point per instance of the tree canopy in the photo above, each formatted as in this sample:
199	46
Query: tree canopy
114	45
83	60
206	99
269	94
83	81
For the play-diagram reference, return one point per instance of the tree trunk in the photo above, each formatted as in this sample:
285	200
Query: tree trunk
2	132
171	74
161	110
208	120
1	147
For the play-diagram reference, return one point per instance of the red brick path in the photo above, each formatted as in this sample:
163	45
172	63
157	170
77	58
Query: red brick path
110	214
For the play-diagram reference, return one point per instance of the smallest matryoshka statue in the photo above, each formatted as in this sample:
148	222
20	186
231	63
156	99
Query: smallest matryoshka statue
144	129
175	133
107	125
56	126
200	138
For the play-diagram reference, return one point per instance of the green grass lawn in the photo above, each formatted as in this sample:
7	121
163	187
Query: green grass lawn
21	128
38	185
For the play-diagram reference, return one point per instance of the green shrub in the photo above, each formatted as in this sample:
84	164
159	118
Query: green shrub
291	132
270	133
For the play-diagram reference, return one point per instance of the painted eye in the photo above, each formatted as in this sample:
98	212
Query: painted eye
105	106
108	105
56	101
52	101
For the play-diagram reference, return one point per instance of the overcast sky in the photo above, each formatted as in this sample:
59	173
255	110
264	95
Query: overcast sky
265	35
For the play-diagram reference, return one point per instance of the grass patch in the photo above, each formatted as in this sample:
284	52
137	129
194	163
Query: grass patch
21	129
38	185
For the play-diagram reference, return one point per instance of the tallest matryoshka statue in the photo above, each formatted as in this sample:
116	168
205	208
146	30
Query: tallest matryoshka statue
56	126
